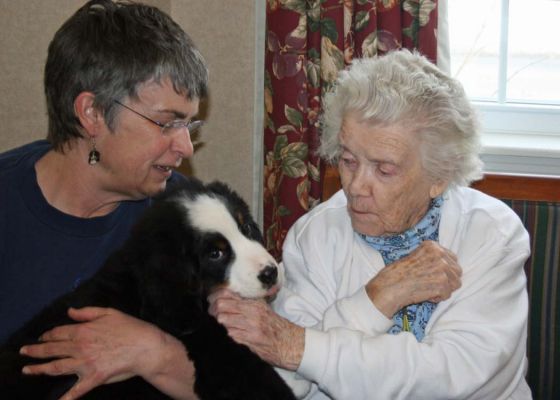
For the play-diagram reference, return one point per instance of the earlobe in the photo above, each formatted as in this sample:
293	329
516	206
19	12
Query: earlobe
438	188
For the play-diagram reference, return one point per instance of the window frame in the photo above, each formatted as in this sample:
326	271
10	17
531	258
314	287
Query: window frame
517	138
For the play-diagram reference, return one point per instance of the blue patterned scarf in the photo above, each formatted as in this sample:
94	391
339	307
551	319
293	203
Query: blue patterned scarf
414	317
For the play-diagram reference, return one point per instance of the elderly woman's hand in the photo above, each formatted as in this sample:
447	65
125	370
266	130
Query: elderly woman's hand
254	324
110	346
429	273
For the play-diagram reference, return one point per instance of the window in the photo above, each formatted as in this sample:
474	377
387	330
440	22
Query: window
507	55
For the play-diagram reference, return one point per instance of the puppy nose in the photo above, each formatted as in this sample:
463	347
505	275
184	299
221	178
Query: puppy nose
268	275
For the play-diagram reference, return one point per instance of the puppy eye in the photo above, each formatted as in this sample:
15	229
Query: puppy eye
216	254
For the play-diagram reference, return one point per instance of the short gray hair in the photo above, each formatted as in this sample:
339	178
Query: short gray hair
110	48
404	88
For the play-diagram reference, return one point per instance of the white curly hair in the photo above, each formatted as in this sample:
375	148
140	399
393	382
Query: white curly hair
404	88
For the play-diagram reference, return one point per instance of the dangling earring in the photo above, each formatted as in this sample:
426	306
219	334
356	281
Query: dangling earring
94	156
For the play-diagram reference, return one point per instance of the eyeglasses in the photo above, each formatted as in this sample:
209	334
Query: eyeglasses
171	127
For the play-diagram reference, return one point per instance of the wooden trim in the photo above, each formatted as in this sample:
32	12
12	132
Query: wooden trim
331	181
520	187
510	187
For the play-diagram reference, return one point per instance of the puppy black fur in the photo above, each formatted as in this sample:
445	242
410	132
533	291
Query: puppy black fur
162	274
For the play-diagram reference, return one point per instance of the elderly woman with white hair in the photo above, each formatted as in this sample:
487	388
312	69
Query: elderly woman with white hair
406	284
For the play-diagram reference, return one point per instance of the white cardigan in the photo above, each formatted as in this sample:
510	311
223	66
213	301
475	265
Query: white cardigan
475	342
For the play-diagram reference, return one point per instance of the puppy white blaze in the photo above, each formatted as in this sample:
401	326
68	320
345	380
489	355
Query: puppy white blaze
211	215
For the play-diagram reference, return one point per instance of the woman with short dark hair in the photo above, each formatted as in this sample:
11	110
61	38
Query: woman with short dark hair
123	83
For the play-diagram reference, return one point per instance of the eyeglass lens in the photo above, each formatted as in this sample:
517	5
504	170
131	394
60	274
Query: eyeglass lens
175	126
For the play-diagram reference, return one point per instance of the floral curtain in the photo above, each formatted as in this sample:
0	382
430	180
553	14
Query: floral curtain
307	43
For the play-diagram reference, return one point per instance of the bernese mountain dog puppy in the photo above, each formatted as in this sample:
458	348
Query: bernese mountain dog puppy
194	238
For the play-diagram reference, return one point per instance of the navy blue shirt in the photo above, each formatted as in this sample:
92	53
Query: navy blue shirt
44	252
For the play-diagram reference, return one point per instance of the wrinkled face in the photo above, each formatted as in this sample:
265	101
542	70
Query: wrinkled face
136	159
381	173
230	250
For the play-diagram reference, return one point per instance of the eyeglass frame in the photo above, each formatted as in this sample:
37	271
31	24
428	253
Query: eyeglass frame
192	126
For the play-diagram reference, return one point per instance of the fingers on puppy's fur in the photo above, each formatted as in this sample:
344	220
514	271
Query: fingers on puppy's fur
193	239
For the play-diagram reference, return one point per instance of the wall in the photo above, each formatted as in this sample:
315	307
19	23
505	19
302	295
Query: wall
226	32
